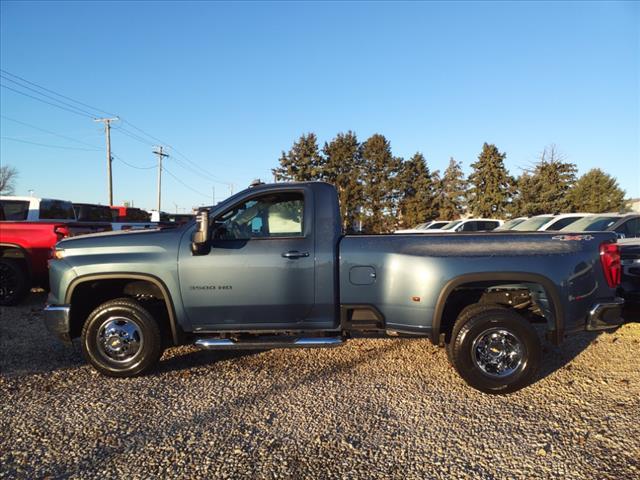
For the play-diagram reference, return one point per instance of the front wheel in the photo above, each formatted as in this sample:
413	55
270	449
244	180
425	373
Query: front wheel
495	350
14	281
121	339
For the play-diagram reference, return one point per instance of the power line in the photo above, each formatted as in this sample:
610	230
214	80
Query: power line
117	157
48	103
55	93
45	95
187	164
50	146
184	184
133	135
48	131
200	171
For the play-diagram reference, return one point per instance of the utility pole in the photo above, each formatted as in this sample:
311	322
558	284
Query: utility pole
107	130
213	195
160	154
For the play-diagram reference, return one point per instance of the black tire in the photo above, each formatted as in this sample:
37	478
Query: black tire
466	313
121	339
479	327
14	281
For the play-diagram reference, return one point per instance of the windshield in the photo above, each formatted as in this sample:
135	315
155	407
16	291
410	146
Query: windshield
452	225
533	224
511	223
436	225
594	224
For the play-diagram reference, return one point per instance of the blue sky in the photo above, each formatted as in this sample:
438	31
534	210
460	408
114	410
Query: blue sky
232	85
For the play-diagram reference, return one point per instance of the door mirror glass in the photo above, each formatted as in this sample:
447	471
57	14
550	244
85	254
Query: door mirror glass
200	242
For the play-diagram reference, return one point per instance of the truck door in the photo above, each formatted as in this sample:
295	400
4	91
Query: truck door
260	270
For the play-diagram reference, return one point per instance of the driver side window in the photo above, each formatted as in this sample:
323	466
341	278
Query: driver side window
270	216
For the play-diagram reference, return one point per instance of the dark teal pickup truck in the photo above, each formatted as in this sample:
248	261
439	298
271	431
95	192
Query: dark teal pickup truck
270	268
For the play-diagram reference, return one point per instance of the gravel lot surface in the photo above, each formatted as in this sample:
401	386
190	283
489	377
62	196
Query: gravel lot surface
370	409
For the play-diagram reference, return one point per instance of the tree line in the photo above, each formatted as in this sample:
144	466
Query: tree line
380	192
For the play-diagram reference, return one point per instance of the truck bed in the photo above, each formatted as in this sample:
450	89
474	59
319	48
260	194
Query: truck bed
406	276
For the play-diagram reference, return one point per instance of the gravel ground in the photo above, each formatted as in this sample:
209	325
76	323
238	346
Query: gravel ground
370	409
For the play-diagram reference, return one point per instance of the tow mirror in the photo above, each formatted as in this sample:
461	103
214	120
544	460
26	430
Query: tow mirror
200	242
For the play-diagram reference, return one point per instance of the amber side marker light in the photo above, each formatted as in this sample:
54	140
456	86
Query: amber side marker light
57	254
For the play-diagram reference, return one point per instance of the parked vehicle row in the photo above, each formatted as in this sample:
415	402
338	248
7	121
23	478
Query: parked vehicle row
30	227
465	225
624	225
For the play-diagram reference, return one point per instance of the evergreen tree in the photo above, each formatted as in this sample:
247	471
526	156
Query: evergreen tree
343	168
524	197
417	195
302	163
553	179
451	199
380	170
597	192
490	192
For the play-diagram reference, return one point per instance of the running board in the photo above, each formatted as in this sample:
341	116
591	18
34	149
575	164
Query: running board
266	343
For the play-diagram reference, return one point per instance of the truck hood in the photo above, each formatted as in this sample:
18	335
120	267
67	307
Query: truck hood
123	238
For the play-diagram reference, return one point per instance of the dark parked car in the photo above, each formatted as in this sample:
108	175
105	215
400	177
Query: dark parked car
88	212
625	225
630	262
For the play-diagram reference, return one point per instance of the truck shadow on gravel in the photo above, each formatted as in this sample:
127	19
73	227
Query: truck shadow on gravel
555	357
192	358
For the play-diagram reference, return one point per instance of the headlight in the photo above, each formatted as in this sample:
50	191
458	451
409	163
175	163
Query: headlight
58	254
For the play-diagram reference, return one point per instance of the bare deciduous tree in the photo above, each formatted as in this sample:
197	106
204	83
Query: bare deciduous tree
8	175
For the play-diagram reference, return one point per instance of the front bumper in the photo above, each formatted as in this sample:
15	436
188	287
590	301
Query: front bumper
56	319
605	315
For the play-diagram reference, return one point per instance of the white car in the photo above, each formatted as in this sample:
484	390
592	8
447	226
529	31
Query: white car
32	209
424	227
549	223
469	225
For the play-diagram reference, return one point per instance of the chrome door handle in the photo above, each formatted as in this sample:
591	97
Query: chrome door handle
295	254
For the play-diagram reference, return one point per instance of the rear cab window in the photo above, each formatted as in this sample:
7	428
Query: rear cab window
92	213
14	210
136	215
56	210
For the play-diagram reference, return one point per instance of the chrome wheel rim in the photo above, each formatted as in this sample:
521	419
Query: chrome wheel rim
497	352
119	339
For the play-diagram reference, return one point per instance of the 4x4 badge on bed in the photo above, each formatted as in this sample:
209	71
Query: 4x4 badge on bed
566	238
